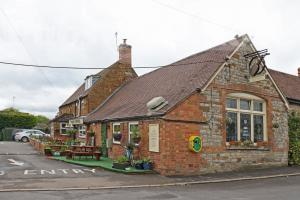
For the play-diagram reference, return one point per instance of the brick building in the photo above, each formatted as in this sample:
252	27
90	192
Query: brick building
290	86
241	119
95	89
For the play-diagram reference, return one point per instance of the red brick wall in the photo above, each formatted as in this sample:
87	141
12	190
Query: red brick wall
103	88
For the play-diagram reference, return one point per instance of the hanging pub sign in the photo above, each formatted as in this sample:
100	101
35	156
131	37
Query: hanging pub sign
257	63
76	121
195	143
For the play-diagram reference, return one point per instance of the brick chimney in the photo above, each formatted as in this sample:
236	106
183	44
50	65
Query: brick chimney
125	53
299	72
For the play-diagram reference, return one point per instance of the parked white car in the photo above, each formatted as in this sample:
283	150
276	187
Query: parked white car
24	135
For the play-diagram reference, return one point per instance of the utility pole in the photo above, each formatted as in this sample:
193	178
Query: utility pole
13	101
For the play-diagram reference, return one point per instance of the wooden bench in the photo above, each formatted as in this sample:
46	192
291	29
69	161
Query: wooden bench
83	151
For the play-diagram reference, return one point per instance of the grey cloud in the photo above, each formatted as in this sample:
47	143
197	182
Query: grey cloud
80	33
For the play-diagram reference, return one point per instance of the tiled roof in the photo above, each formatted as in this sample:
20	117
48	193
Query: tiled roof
81	92
287	83
63	118
174	82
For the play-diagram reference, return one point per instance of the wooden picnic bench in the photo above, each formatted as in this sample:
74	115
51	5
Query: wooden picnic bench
83	151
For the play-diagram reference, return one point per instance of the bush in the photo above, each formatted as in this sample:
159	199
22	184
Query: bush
294	136
121	160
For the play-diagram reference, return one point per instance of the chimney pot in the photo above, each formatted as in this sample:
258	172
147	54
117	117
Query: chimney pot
125	53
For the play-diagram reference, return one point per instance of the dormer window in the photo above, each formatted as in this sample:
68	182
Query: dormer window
90	80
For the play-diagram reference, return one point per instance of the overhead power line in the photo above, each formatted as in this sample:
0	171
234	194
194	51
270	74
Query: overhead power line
195	16
90	68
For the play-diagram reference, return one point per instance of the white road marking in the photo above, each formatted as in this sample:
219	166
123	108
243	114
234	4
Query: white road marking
58	171
90	170
76	171
65	171
13	162
52	172
2	173
30	172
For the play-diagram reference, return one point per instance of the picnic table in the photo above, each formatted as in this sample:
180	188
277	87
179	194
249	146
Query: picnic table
86	151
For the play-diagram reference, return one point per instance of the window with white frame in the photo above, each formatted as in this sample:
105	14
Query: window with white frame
82	131
63	128
116	133
131	127
245	118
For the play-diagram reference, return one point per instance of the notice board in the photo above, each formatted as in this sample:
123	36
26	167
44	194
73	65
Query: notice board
154	137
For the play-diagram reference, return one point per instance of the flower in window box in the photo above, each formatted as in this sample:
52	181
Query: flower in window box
117	136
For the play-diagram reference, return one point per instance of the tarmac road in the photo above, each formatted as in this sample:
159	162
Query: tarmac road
268	189
23	167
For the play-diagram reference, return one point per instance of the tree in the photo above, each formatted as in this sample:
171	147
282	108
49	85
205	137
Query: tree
12	117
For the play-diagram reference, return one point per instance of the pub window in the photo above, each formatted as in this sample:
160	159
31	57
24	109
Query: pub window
63	128
116	133
82	131
245	118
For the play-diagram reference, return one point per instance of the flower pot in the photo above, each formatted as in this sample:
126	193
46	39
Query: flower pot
47	152
56	153
122	166
139	166
147	166
117	136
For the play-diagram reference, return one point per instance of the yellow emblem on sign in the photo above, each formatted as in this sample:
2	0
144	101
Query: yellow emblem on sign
195	143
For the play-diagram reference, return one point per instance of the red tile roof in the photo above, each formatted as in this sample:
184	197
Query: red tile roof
287	83
63	118
174	82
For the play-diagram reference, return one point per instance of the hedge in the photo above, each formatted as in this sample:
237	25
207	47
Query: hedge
294	137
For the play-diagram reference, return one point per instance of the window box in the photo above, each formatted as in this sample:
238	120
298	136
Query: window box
117	137
248	148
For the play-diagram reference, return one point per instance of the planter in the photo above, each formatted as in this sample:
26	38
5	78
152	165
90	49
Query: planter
148	166
117	136
139	166
122	166
47	152
56	153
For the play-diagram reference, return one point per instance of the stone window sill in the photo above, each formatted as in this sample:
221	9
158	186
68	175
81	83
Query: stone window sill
245	148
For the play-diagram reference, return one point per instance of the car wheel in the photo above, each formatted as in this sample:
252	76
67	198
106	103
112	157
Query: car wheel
24	139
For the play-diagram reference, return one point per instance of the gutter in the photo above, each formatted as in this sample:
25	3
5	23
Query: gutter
293	101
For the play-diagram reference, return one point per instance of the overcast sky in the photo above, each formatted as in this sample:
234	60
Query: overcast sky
81	33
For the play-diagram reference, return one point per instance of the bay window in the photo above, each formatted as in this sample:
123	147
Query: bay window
245	118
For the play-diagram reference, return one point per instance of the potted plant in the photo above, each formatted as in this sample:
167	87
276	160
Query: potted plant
62	150
138	164
92	137
47	151
147	164
72	133
117	136
121	162
135	136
